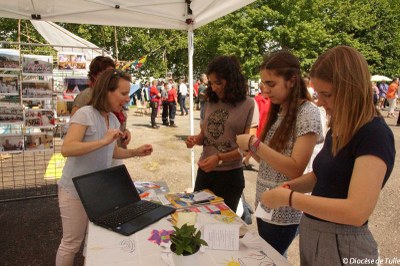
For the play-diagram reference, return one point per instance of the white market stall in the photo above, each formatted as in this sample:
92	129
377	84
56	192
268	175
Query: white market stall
185	15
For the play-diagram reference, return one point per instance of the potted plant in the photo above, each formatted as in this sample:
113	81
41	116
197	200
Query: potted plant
186	242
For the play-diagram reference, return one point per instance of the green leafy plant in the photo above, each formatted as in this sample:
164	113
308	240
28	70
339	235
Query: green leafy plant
186	240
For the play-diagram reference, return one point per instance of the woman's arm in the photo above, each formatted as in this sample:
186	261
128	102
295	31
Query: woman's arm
304	183
120	153
209	163
365	186
74	146
292	166
198	139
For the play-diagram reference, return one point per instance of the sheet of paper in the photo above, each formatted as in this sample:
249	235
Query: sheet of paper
203	195
188	218
261	213
163	199
222	236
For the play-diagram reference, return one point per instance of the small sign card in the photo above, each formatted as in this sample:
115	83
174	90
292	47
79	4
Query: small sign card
222	236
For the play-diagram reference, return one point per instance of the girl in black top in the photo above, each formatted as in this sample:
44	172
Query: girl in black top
349	172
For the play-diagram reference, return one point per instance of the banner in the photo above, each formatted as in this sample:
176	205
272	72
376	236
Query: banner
134	65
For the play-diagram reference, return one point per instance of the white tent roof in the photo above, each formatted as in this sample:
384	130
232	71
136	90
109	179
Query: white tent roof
163	14
56	35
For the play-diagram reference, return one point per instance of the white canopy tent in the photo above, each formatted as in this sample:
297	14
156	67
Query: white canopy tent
163	14
65	41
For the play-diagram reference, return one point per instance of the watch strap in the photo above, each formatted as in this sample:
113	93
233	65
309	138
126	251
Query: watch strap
255	145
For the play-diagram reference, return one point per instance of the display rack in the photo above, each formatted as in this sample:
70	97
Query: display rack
36	97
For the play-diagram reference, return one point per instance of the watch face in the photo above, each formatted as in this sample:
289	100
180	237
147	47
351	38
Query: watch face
253	149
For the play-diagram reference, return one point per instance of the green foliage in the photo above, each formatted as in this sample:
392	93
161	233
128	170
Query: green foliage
306	27
187	240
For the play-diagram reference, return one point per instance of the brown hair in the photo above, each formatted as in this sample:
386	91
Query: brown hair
283	63
229	69
98	65
347	70
108	81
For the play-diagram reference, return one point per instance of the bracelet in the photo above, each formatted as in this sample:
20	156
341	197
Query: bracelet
220	161
290	198
250	142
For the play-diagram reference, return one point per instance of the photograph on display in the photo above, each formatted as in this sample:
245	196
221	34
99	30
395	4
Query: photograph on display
39	118
10	99
40	141
72	87
11	143
9	59
11	114
36	89
71	61
75	85
9	85
37	64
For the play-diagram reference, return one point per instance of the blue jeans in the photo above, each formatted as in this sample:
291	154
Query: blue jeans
278	236
182	103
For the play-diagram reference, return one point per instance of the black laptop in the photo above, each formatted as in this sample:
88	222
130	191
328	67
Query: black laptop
112	201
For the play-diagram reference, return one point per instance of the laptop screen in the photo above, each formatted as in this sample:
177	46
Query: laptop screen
106	190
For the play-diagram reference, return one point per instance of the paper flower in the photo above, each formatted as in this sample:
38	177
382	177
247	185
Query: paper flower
158	236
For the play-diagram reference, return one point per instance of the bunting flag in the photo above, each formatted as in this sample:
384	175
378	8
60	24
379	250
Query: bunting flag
134	64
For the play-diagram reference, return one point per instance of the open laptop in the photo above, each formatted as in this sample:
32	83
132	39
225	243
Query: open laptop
111	200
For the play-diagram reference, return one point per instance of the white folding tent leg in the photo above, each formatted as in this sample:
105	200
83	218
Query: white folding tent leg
191	118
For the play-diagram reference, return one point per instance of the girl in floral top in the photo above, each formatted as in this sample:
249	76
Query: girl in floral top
287	142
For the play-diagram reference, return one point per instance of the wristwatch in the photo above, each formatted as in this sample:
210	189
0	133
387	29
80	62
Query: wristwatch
219	159
254	146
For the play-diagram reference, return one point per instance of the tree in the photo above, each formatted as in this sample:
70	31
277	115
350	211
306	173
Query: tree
306	27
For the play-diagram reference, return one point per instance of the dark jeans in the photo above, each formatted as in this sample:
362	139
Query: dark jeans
182	103
172	111
164	114
398	120
202	103
154	107
226	184
278	236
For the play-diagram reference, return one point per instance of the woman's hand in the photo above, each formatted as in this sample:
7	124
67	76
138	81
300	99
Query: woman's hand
144	150
243	141
112	135
191	141
209	163
276	197
126	137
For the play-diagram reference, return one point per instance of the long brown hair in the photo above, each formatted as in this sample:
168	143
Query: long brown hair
107	82
347	70
286	65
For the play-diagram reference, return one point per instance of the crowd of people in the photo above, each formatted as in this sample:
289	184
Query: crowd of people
328	204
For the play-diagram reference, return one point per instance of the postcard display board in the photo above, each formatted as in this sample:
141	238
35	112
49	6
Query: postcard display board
33	101
69	80
26	105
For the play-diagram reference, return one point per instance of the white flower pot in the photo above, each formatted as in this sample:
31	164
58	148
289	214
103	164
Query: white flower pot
188	260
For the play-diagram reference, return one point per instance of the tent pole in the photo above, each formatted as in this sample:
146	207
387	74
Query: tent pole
116	43
190	57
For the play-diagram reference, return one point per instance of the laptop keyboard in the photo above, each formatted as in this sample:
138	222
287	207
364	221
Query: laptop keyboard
128	213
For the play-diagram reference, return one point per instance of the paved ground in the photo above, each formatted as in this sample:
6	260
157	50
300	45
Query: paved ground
31	229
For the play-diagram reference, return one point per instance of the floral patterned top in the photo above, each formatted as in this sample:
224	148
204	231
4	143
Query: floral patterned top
308	121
